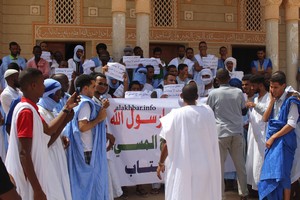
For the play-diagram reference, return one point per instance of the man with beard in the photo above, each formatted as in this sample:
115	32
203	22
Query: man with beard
11	91
257	130
181	59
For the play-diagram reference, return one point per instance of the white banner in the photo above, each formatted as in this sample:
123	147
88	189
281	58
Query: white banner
136	126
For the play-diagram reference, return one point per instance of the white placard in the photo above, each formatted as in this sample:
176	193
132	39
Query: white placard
138	94
46	55
151	61
116	71
119	91
237	74
173	90
210	62
66	71
131	62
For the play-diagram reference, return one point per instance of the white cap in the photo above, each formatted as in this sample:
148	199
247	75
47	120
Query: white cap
10	72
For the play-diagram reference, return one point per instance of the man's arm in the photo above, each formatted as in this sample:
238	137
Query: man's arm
268	112
7	188
27	164
59	130
161	163
285	130
291	124
10	195
53	126
85	125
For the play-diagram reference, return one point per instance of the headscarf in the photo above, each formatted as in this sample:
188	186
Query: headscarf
87	65
235	82
78	47
230	59
140	75
206	81
51	87
111	85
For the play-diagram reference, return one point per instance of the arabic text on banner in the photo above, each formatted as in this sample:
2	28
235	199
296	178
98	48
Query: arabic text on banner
136	126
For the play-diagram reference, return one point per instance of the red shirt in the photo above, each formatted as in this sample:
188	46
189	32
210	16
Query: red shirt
25	120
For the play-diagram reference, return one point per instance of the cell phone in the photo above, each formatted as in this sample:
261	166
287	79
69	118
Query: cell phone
77	90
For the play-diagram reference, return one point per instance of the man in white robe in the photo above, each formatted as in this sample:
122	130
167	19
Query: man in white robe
27	157
58	159
257	130
193	169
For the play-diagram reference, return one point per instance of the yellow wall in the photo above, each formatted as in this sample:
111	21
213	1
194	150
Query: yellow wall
17	24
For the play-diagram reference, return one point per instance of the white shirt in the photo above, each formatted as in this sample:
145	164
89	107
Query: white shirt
7	96
87	136
293	113
176	61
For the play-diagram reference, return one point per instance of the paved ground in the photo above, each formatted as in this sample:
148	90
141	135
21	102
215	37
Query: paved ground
230	195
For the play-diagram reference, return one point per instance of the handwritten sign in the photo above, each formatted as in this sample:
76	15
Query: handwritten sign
138	94
116	71
66	71
237	74
173	90
119	91
46	55
131	62
151	61
210	62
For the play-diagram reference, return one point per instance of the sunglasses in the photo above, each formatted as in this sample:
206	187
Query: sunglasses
103	84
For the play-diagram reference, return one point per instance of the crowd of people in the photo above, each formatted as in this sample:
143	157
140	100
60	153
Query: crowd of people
54	141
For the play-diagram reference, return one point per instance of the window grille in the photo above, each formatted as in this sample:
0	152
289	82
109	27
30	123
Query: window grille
252	15
64	12
164	13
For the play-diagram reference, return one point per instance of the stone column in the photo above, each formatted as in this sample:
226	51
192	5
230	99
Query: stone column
118	9
292	40
272	32
142	10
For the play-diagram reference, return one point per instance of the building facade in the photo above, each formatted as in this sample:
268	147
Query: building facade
240	25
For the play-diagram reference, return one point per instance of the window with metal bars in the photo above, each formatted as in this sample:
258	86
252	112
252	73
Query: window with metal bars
64	12
252	15
164	13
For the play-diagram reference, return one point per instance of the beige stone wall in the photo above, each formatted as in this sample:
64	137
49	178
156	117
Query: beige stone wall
282	40
208	15
17	24
104	12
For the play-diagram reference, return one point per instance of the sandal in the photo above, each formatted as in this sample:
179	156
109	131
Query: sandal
154	191
124	196
141	192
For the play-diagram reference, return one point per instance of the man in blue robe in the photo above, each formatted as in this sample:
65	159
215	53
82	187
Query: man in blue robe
282	115
87	162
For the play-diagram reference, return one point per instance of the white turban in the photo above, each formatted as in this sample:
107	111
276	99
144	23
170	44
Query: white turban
230	59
